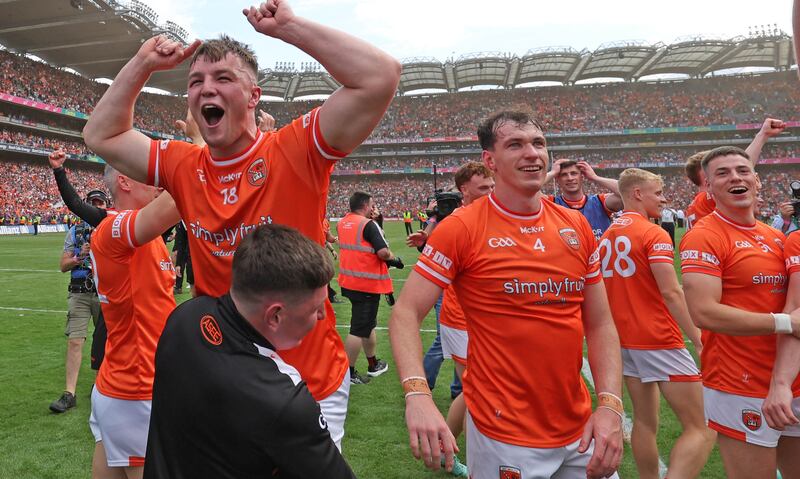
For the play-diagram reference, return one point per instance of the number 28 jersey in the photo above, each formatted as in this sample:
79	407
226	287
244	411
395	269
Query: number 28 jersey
627	249
519	280
282	178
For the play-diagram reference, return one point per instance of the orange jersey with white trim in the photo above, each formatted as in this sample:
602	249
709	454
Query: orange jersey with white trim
749	261
451	314
791	254
282	178
519	280
627	249
701	206
134	283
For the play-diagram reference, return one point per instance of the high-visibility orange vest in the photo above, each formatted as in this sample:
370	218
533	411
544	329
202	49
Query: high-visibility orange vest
360	269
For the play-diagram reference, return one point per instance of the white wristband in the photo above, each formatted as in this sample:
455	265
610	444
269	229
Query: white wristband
783	323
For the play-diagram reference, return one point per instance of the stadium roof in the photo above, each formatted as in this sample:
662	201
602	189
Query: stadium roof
93	37
97	37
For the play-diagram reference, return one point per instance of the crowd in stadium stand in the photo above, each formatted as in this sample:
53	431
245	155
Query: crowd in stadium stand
721	100
35	141
29	190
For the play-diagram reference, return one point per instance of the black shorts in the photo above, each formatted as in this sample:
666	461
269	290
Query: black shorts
364	316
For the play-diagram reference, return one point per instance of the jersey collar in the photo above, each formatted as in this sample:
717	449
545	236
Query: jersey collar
507	212
734	223
232	160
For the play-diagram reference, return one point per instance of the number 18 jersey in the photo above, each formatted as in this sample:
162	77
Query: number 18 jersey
282	178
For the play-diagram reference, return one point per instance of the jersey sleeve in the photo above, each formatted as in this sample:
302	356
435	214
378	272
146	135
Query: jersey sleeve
701	252
115	237
162	165
308	152
659	246
69	243
593	253
444	253
791	252
303	446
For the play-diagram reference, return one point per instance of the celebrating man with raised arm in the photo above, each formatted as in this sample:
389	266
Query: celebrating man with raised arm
243	177
528	280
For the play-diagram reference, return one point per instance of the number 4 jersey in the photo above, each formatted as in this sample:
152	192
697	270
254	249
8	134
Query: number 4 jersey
519	280
627	249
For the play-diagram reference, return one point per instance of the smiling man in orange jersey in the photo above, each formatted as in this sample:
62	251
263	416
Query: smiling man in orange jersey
527	278
244	177
734	278
647	304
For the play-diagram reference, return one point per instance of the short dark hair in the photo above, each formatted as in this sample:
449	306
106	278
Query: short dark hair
568	164
278	259
722	151
487	131
359	200
470	169
692	167
216	49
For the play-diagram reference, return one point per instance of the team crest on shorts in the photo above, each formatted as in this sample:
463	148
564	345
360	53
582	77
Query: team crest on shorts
570	236
257	172
508	472
210	330
751	419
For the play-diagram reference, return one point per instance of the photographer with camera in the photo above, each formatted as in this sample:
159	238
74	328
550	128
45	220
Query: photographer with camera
786	220
364	258
82	300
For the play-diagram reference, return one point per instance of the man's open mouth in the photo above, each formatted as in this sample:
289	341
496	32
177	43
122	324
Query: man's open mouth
212	114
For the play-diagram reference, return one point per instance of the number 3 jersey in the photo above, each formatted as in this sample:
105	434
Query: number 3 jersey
519	280
627	249
282	178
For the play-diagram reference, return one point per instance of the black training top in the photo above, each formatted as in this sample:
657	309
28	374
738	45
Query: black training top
226	406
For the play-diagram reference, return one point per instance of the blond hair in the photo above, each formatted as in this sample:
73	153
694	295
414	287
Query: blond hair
633	177
693	166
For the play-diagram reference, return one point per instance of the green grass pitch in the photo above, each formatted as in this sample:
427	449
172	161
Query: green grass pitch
36	444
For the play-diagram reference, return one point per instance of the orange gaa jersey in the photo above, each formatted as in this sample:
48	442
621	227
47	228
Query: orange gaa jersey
749	261
701	206
627	249
283	178
451	314
791	254
519	280
134	283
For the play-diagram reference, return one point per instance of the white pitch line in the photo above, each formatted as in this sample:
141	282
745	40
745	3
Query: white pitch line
33	310
15	270
627	424
383	328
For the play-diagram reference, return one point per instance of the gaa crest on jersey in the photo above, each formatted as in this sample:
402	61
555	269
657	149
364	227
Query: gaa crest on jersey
257	172
570	237
210	330
508	472
751	419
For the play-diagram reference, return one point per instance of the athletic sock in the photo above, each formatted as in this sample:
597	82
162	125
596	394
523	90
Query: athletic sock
372	361
352	371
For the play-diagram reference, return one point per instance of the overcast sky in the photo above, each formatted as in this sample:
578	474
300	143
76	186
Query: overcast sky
447	28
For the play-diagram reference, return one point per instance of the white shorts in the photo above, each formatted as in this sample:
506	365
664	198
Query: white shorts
487	458
454	343
122	426
663	365
334	409
740	418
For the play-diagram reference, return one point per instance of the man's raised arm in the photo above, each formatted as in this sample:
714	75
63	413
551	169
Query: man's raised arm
109	131
369	76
